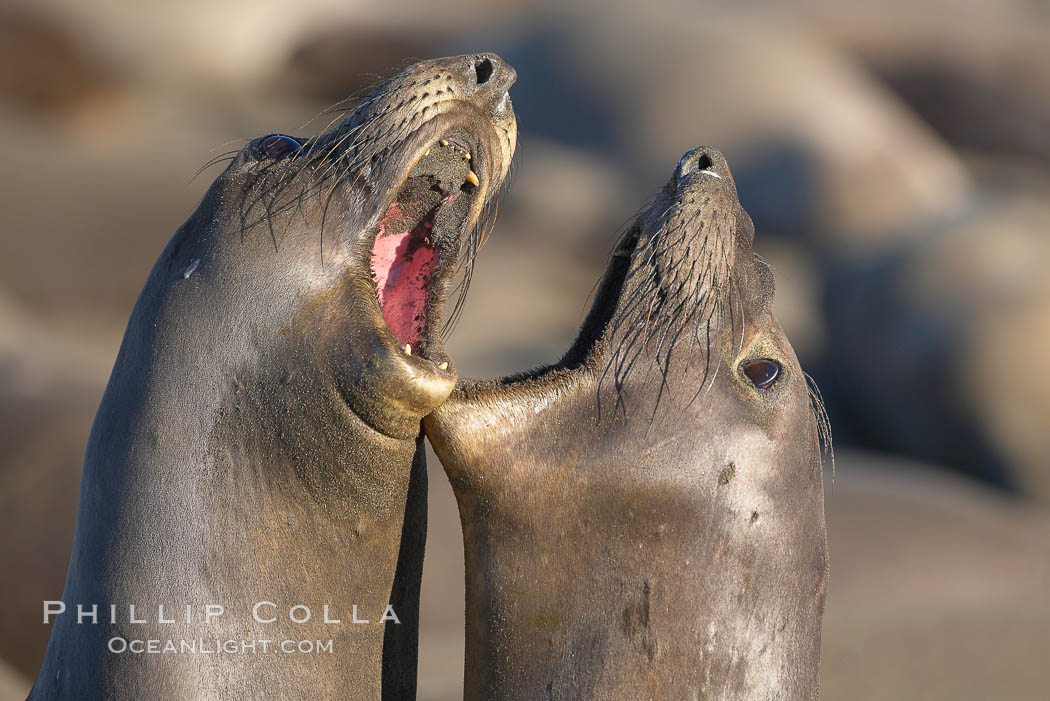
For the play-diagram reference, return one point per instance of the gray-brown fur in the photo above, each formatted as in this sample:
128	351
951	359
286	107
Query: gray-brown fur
640	521
259	439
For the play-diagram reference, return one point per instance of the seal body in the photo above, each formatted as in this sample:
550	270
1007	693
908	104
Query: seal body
254	475
645	518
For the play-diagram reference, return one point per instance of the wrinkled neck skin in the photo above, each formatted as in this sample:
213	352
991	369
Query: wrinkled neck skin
638	521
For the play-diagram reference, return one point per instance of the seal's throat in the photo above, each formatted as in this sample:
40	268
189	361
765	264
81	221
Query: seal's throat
418	237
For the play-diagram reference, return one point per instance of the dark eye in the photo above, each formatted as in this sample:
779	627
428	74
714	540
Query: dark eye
278	146
763	373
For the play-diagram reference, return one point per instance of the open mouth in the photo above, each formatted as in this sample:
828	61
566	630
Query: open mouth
418	238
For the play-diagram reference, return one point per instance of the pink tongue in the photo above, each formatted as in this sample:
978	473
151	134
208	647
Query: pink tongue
402	275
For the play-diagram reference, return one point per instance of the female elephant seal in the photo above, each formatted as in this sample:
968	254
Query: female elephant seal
644	519
258	447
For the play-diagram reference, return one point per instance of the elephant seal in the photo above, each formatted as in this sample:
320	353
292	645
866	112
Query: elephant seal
644	519
253	501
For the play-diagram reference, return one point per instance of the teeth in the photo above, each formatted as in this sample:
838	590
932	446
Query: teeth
426	153
408	349
466	156
444	142
444	365
472	178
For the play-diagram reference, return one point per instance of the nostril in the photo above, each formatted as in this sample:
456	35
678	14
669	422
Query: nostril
483	69
695	161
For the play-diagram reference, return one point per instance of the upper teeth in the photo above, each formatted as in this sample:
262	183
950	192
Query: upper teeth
472	177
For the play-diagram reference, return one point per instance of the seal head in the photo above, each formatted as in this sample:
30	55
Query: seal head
403	189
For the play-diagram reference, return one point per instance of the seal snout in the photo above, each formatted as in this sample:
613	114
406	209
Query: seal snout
703	160
490	77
